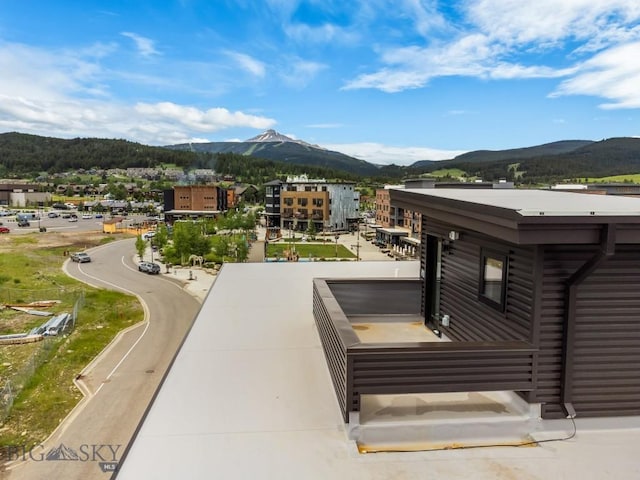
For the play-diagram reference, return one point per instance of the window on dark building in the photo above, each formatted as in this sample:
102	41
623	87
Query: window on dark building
493	279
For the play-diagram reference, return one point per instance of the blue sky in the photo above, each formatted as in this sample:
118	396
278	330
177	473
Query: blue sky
388	81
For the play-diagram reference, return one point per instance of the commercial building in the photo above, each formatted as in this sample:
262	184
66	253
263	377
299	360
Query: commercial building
195	201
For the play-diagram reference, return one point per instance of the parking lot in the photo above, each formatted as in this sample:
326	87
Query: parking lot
65	222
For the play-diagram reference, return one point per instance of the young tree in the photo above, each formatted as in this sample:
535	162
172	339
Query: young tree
188	240
141	246
242	251
311	230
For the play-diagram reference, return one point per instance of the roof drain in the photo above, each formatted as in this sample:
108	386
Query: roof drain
607	249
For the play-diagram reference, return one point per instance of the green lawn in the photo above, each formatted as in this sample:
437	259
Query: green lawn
632	177
48	394
310	250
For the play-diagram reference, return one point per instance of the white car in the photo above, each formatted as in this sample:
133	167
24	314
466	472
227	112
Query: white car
87	216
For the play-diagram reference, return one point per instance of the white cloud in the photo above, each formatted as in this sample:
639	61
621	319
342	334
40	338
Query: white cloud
426	15
34	73
548	22
248	63
144	45
210	120
299	73
326	33
385	154
495	39
62	93
611	74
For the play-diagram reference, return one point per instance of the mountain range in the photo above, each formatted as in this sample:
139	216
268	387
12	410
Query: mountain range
549	162
274	154
272	145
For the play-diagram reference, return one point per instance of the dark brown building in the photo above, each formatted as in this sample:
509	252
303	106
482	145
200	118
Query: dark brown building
536	291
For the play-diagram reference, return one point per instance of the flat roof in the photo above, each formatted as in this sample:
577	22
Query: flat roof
393	231
249	396
526	202
191	212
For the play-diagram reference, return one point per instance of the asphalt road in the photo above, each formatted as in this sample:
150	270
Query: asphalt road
121	383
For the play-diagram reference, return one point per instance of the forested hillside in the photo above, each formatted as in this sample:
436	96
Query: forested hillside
29	155
291	153
22	154
257	171
613	156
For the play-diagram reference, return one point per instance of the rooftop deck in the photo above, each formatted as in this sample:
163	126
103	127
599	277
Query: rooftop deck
249	396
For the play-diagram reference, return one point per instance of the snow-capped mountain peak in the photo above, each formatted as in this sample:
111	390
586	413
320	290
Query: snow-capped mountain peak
273	136
270	136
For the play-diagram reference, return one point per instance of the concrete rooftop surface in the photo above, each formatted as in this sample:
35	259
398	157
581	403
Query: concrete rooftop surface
249	396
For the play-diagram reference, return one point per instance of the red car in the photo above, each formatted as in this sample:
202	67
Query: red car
4	230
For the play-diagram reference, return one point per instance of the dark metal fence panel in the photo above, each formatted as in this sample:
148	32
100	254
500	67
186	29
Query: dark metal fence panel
335	351
443	367
425	367
376	297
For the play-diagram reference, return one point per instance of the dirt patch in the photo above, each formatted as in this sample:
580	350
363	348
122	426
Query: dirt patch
73	240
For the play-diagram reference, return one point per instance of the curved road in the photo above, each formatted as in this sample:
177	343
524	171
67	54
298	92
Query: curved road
120	384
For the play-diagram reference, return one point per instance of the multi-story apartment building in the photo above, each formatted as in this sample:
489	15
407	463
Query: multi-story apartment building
330	206
272	208
299	201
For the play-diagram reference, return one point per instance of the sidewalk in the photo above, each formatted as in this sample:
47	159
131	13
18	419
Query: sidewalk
195	280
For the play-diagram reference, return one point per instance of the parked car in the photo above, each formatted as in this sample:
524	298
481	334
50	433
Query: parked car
23	223
87	216
98	215
4	230
53	214
73	219
148	235
149	267
80	257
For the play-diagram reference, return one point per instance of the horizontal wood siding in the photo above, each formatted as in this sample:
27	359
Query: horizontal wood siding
472	320
423	264
606	370
560	262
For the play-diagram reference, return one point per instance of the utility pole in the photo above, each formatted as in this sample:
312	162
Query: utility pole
357	245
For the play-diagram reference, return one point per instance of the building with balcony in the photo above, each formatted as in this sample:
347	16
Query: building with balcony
527	291
330	206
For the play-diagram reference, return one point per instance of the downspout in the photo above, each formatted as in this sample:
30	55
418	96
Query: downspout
607	249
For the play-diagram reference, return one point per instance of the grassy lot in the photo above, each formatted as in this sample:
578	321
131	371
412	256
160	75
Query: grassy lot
633	178
28	274
448	172
305	250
